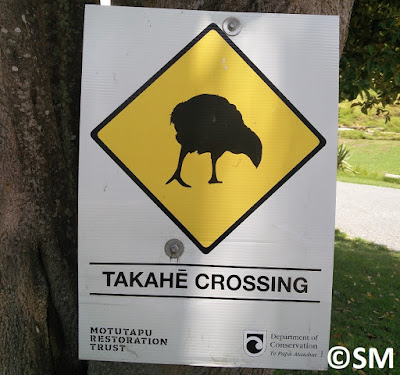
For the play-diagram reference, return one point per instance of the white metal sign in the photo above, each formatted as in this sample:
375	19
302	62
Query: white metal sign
207	187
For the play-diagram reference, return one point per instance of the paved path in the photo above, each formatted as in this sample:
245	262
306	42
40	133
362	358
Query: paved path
369	212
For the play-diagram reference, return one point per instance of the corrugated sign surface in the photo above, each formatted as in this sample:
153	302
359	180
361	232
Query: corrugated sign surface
220	146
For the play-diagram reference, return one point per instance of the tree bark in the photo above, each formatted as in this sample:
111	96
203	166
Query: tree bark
40	50
40	59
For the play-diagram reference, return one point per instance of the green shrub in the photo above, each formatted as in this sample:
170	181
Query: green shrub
343	155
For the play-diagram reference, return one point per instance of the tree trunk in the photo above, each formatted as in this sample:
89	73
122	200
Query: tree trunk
40	49
40	57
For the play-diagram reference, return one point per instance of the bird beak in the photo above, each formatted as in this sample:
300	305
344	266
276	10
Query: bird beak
256	159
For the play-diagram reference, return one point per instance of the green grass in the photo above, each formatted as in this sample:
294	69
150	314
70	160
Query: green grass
368	180
372	159
365	302
373	143
375	156
376	135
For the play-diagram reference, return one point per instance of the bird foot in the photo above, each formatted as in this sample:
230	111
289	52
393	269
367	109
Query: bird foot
214	180
179	179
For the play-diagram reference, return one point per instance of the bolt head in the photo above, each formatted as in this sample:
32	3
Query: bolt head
232	26
174	248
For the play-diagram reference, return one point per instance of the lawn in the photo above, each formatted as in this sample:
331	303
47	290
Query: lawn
374	156
374	145
365	302
371	160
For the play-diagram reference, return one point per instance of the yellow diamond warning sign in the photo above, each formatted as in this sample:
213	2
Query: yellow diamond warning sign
208	138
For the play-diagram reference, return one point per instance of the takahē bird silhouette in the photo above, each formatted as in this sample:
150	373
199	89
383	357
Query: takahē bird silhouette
209	123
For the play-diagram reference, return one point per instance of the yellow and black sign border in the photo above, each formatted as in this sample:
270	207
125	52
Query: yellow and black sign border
213	26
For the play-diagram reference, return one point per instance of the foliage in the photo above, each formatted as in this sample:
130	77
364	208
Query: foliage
371	58
352	117
365	302
343	155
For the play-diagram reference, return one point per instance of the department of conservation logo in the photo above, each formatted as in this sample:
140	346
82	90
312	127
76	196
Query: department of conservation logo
255	342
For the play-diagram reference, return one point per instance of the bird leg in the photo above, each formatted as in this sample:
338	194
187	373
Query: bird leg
177	175
213	179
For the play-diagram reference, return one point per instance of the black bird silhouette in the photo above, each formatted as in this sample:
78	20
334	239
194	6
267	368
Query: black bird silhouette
209	123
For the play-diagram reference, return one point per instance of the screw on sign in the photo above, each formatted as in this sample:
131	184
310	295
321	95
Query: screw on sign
174	248
232	26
